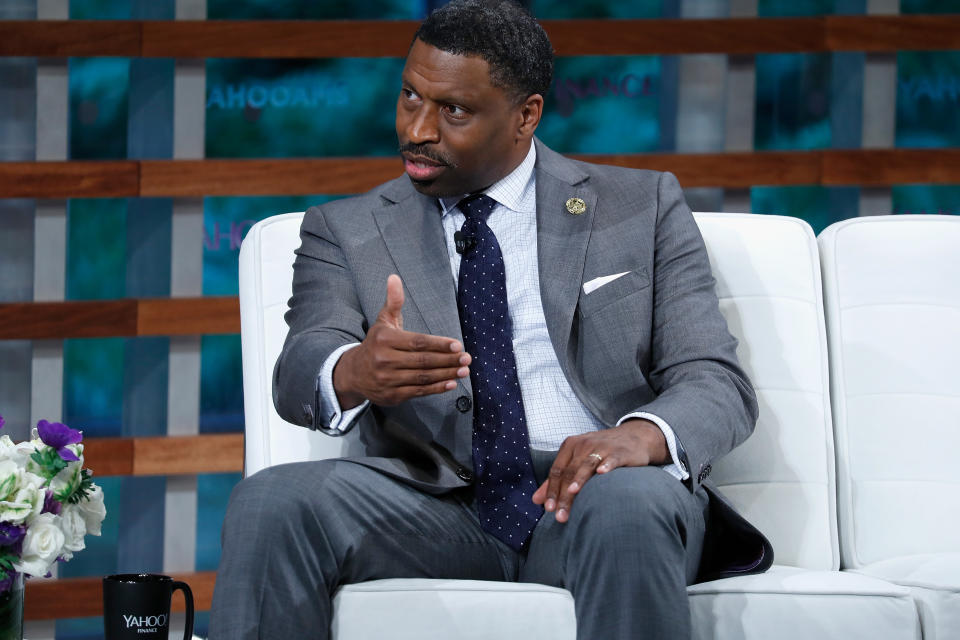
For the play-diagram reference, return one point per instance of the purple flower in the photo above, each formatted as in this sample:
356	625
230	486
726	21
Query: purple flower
2	421
11	536
50	504
58	436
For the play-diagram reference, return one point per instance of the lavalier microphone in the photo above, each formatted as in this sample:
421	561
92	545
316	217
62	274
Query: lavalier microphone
463	242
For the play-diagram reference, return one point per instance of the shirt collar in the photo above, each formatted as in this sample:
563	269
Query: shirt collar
512	191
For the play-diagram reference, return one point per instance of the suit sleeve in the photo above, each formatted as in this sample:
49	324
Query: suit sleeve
702	392
324	314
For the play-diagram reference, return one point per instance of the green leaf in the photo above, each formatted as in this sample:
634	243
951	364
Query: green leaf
83	489
49	461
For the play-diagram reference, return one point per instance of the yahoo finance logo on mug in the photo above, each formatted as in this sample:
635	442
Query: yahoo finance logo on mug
137	605
145	624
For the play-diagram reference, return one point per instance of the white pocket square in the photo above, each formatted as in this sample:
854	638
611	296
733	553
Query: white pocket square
596	283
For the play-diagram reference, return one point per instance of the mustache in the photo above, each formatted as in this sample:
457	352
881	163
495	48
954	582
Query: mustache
426	152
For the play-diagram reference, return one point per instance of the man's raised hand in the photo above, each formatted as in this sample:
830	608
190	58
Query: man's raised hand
392	365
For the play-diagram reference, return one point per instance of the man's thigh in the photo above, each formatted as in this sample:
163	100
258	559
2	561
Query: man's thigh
628	515
365	525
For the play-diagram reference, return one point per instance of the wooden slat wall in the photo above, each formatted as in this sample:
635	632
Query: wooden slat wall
302	176
83	597
171	455
118	318
364	38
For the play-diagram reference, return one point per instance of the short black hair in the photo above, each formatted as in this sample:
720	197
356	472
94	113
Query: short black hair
502	33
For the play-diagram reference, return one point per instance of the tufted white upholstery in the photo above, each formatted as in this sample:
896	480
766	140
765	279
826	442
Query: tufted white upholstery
782	479
892	291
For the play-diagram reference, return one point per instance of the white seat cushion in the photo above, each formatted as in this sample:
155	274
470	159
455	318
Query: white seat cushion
784	603
787	603
420	609
934	580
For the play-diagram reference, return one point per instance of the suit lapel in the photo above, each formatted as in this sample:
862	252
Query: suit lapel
562	240
409	223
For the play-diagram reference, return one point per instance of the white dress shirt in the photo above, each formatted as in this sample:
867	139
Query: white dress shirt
553	411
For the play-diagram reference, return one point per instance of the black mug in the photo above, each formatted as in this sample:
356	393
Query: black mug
137	605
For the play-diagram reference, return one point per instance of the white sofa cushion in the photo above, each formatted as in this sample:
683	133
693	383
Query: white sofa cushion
934	581
419	609
794	604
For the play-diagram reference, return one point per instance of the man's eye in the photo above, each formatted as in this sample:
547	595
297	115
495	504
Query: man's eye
409	94
457	112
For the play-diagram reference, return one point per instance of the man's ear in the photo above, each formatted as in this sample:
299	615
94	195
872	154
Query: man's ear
530	112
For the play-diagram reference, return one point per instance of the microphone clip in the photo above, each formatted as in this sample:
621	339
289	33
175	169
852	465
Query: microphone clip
463	242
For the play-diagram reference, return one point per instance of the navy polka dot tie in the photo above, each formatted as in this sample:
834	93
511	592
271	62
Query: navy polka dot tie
501	449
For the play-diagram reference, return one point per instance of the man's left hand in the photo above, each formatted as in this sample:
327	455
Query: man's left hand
635	443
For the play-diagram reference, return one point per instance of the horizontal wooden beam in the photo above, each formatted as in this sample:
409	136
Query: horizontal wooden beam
278	38
76	179
377	38
118	318
265	176
63	38
83	597
344	175
730	170
164	456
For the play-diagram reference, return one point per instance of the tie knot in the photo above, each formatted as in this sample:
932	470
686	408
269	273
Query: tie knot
477	206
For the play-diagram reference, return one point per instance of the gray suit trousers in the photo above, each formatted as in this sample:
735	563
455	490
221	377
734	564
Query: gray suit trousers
294	533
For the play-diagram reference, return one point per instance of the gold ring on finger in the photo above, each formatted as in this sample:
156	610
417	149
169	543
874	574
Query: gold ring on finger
597	456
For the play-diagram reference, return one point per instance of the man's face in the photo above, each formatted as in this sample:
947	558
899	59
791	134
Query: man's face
458	133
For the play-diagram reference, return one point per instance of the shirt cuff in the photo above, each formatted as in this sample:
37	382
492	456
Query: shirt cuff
677	468
329	408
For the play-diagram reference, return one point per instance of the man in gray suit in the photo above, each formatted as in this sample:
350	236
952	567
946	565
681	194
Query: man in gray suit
628	376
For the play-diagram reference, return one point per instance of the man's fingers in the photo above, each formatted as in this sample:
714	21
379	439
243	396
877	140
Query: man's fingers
391	312
409	341
423	377
609	463
588	466
555	479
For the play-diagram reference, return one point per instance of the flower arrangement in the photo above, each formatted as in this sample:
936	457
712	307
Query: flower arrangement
48	501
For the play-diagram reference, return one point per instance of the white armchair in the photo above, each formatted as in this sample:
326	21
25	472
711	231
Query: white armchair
782	479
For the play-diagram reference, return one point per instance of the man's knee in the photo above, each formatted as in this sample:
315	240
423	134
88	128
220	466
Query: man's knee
277	498
629	505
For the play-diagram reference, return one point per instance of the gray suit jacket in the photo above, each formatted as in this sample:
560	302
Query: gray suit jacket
653	340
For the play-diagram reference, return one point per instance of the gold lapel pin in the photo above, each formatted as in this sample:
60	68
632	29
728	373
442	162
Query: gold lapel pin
576	206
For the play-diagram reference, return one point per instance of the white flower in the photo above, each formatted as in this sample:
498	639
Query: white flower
67	481
18	453
93	510
74	528
41	546
9	478
21	493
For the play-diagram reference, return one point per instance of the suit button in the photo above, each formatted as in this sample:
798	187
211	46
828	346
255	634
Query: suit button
465	474
704	472
463	404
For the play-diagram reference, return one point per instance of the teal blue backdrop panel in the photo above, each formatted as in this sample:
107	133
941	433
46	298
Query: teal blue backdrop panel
792	101
576	9
212	492
302	108
99	97
603	104
928	99
927	199
226	222
311	10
